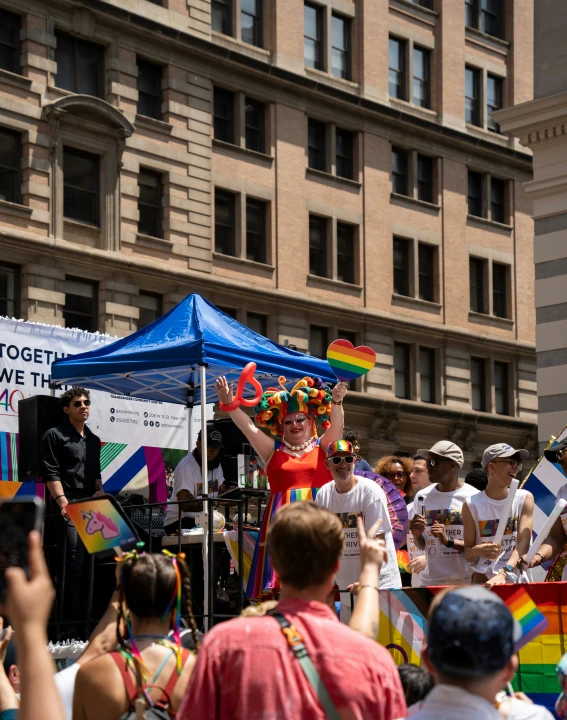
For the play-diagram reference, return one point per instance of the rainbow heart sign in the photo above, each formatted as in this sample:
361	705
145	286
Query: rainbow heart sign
349	362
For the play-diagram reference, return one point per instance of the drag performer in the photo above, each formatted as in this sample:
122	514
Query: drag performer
295	457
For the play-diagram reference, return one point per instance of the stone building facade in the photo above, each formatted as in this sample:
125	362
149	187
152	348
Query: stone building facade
316	169
541	126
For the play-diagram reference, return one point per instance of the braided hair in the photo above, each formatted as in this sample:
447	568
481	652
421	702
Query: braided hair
147	583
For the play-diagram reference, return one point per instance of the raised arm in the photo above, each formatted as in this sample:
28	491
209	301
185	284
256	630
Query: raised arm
373	555
337	419
262	444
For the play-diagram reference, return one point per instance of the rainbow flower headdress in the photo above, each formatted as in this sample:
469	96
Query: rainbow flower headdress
309	395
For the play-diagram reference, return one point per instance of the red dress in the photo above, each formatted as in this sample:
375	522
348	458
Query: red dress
291	479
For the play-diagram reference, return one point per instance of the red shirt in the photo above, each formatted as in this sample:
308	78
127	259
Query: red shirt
246	671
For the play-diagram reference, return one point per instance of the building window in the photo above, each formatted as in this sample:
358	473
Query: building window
10	24
492	17
10	165
494	87
345	252
344	140
313	36
402	370
149	89
317	246
318	341
81	186
151	308
472	96
223	102
474	196
256	230
402	267
80	65
497	200
258	323
231	312
340	50
499	290
421	77
316	145
501	389
477	275
80	309
150	203
426	272
251	22
254	125
396	68
427	374
478	384
425	178
399	171
221	16
423	3
486	16
9	291
225	222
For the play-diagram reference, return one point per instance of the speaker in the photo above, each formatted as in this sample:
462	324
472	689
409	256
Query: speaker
35	416
233	440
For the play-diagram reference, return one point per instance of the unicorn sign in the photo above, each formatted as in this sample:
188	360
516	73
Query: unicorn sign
101	524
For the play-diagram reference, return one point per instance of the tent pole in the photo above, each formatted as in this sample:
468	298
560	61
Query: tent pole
205	478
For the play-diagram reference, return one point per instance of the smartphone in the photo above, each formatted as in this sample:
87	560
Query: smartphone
17	519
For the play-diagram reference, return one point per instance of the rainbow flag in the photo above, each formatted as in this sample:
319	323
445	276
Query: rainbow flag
403	628
524	609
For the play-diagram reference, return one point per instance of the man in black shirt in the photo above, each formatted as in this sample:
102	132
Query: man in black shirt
71	470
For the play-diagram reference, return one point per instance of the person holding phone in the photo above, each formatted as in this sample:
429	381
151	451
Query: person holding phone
71	470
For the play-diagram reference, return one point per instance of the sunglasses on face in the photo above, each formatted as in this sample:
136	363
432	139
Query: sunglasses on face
80	403
298	421
349	459
433	462
398	475
514	464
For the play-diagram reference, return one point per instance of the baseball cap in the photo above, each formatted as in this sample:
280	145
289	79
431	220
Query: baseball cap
551	453
339	446
501	450
471	633
214	438
446	449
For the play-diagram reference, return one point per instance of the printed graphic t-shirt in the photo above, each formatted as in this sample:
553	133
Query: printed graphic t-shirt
369	500
486	514
413	550
188	476
445	566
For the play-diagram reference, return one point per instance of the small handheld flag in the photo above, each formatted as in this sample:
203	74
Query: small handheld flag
532	621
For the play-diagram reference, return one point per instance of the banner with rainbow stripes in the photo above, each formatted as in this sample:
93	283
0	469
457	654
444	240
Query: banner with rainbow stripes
403	628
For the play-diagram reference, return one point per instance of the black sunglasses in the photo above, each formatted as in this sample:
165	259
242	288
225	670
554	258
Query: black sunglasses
432	462
349	459
80	403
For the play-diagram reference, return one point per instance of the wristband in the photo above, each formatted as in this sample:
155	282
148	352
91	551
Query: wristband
374	587
339	402
59	496
540	557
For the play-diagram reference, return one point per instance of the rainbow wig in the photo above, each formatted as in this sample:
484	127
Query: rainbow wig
310	396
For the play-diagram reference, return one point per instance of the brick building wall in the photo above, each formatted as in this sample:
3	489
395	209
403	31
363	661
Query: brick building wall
113	275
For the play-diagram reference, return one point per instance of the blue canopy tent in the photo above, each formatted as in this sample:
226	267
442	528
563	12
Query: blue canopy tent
162	360
178	358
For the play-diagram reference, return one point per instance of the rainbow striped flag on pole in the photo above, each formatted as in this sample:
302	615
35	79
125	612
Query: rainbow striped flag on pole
532	621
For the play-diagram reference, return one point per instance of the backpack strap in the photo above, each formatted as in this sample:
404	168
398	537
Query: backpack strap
172	681
123	668
295	641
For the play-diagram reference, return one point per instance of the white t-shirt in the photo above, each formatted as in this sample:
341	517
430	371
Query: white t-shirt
486	514
445	566
562	495
366	498
65	684
413	550
188	476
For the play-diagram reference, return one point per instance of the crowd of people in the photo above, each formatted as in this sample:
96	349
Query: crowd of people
333	523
